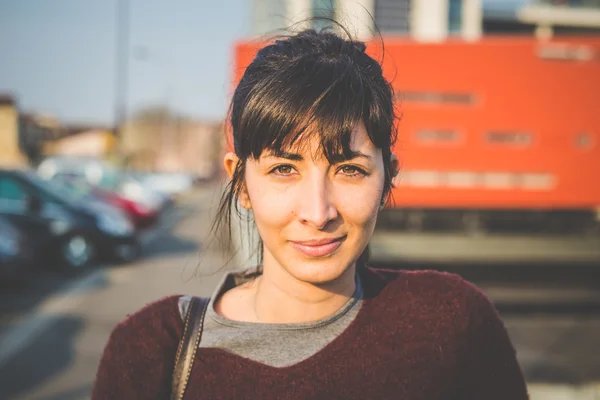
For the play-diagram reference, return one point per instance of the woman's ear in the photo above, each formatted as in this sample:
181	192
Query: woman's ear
394	166
230	162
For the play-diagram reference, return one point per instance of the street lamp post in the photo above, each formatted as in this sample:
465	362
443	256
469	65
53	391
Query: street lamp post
121	65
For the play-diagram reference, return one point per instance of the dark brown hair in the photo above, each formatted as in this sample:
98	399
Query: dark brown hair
309	83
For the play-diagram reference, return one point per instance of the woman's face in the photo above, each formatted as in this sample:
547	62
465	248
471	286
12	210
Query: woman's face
315	219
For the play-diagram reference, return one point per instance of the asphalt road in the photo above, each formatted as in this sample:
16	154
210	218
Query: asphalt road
52	332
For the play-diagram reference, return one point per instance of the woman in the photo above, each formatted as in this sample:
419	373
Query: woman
313	127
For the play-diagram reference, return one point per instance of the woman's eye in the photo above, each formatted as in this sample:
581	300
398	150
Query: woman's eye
350	170
283	170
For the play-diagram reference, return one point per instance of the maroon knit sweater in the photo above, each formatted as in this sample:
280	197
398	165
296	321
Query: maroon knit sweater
418	335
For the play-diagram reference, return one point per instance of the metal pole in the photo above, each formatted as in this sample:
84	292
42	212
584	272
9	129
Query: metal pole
122	65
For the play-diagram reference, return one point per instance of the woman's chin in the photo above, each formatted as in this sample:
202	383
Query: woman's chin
319	271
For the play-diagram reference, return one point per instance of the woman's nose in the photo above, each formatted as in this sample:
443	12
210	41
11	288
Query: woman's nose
315	204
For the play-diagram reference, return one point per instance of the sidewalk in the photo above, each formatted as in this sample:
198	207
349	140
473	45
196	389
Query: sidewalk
564	392
387	245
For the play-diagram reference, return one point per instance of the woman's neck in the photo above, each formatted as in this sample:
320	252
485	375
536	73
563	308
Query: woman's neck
281	298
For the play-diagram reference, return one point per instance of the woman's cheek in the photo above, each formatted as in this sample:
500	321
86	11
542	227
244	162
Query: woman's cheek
359	203
271	205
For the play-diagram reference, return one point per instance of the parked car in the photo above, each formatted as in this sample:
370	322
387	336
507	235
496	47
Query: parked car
108	177
128	187
172	184
140	215
15	254
68	231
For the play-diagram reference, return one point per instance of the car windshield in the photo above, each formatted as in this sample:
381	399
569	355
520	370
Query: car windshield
76	190
57	189
111	180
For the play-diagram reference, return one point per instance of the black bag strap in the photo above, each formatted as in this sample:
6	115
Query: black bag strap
188	345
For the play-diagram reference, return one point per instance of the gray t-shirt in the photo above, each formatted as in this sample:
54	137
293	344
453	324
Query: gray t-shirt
277	345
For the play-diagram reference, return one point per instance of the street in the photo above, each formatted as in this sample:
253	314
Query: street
52	332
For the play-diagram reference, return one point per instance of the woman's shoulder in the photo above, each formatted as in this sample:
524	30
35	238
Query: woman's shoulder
429	286
160	318
138	358
443	298
422	279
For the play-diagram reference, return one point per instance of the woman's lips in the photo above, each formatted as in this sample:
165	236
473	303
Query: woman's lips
318	248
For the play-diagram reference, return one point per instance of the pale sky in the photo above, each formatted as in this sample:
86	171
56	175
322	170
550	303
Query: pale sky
58	56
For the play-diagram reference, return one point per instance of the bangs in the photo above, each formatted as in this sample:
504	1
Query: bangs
327	98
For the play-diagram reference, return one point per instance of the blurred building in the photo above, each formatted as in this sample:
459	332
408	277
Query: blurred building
542	17
22	135
392	16
424	20
82	141
157	140
35	132
268	16
10	151
25	137
434	20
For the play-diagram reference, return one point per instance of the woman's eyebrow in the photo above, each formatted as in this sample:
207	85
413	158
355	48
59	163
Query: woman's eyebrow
350	156
285	154
337	158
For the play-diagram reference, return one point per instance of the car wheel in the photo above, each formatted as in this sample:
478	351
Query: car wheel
76	253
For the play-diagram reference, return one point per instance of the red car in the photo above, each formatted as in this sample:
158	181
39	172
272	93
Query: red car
141	216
